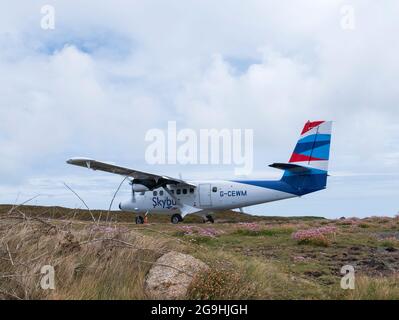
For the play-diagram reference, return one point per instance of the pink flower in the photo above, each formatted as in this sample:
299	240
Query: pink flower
303	235
299	259
252	226
204	232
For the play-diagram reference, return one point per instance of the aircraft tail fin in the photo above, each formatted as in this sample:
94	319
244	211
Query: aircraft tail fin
313	147
307	169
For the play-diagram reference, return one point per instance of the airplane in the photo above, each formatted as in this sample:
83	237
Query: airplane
306	172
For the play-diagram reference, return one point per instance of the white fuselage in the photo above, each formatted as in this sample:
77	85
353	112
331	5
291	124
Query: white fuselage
207	195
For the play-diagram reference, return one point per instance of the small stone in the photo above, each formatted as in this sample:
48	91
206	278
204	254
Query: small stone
164	282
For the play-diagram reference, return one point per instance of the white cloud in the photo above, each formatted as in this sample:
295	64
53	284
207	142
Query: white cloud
112	70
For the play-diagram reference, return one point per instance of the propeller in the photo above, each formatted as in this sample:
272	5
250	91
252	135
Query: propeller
133	192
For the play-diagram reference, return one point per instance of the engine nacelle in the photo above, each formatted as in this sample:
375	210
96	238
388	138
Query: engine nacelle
136	187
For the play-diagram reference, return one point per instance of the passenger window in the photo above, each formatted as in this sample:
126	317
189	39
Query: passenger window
155	193
184	191
191	190
161	193
214	189
178	191
172	191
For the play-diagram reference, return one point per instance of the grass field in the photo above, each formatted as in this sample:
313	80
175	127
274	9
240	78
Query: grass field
249	257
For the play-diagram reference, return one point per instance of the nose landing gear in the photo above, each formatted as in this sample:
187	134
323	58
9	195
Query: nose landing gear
139	220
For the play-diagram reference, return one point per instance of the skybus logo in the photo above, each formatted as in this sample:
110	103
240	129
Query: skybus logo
208	146
163	203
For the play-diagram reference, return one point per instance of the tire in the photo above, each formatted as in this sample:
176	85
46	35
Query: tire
210	219
139	220
176	218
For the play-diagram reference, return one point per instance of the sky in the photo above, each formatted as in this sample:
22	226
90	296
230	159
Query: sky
109	71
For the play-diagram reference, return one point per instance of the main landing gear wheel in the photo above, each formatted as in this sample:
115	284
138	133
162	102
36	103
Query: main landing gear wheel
208	218
139	220
176	218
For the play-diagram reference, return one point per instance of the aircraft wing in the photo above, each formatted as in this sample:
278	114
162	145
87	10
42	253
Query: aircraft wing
135	174
186	209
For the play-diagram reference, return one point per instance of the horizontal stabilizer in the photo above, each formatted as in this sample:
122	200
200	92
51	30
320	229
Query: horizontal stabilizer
295	168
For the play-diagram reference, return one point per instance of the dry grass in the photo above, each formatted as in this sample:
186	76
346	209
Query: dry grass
233	277
247	261
91	261
367	288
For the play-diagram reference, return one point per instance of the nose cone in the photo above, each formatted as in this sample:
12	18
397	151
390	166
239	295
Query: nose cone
128	206
125	206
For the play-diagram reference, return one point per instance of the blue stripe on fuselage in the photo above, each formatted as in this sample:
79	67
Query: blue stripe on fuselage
273	185
292	184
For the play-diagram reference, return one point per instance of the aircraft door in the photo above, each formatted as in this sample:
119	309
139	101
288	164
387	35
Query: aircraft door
205	195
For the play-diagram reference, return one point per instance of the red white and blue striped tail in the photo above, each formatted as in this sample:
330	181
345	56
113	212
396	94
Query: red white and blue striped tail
313	147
